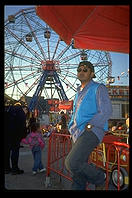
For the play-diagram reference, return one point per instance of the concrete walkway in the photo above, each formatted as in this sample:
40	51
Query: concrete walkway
27	181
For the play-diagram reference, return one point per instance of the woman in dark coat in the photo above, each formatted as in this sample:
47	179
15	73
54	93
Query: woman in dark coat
15	130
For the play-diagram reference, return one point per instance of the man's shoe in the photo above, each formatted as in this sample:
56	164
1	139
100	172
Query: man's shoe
101	187
17	172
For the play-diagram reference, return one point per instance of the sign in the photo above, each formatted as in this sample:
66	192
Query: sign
66	105
118	91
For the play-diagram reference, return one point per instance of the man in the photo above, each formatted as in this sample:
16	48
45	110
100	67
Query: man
63	121
31	120
15	130
91	110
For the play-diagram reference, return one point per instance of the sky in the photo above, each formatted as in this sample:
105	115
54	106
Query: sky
120	61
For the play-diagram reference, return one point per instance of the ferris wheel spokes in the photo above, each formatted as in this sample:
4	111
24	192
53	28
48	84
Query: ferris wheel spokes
35	37
25	45
23	57
57	44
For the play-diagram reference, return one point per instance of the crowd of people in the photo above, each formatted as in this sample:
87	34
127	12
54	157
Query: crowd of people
21	127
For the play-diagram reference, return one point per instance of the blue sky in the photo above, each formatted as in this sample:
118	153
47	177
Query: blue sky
120	61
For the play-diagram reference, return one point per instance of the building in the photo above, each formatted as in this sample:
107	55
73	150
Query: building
119	96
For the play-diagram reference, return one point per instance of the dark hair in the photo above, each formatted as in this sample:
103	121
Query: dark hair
34	126
87	64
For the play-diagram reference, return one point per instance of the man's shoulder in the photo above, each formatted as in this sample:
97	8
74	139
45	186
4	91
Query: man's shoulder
98	84
95	83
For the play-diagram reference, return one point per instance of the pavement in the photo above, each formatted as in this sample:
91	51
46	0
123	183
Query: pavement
28	181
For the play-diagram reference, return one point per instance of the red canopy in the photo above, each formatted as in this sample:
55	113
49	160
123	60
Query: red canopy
91	27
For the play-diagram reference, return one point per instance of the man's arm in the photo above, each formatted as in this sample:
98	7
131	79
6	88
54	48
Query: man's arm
104	108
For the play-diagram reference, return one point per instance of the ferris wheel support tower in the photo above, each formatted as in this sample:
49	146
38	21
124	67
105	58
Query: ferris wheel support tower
49	71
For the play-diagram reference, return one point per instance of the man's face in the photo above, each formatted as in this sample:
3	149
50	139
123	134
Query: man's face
84	74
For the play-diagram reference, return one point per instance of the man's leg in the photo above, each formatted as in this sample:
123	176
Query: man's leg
7	167
14	159
77	162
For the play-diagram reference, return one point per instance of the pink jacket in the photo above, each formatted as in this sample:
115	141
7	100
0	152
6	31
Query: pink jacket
34	139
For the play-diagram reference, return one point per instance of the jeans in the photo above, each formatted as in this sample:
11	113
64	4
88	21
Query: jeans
36	151
77	162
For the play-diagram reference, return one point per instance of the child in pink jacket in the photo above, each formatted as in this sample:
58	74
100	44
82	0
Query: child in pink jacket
36	143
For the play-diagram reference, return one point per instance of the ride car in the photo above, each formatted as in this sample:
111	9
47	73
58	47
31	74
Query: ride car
112	155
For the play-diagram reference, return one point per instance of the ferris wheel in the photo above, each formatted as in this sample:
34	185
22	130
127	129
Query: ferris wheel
39	63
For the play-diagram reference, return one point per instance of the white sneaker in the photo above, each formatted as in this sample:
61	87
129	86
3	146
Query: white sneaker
34	172
104	175
42	170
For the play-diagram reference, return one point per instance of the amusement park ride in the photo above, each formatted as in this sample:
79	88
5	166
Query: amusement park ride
39	63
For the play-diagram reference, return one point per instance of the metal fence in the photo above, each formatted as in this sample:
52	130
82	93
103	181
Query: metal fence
107	155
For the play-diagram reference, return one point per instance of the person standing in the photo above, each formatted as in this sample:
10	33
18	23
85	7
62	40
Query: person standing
91	111
36	143
32	119
63	121
15	129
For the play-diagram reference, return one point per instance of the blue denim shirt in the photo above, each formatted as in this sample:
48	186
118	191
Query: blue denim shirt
104	110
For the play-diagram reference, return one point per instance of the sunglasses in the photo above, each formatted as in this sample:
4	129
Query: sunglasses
84	70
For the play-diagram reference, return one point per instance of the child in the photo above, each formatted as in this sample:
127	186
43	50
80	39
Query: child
36	143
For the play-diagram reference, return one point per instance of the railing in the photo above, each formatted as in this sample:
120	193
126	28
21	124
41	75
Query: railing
60	145
58	148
